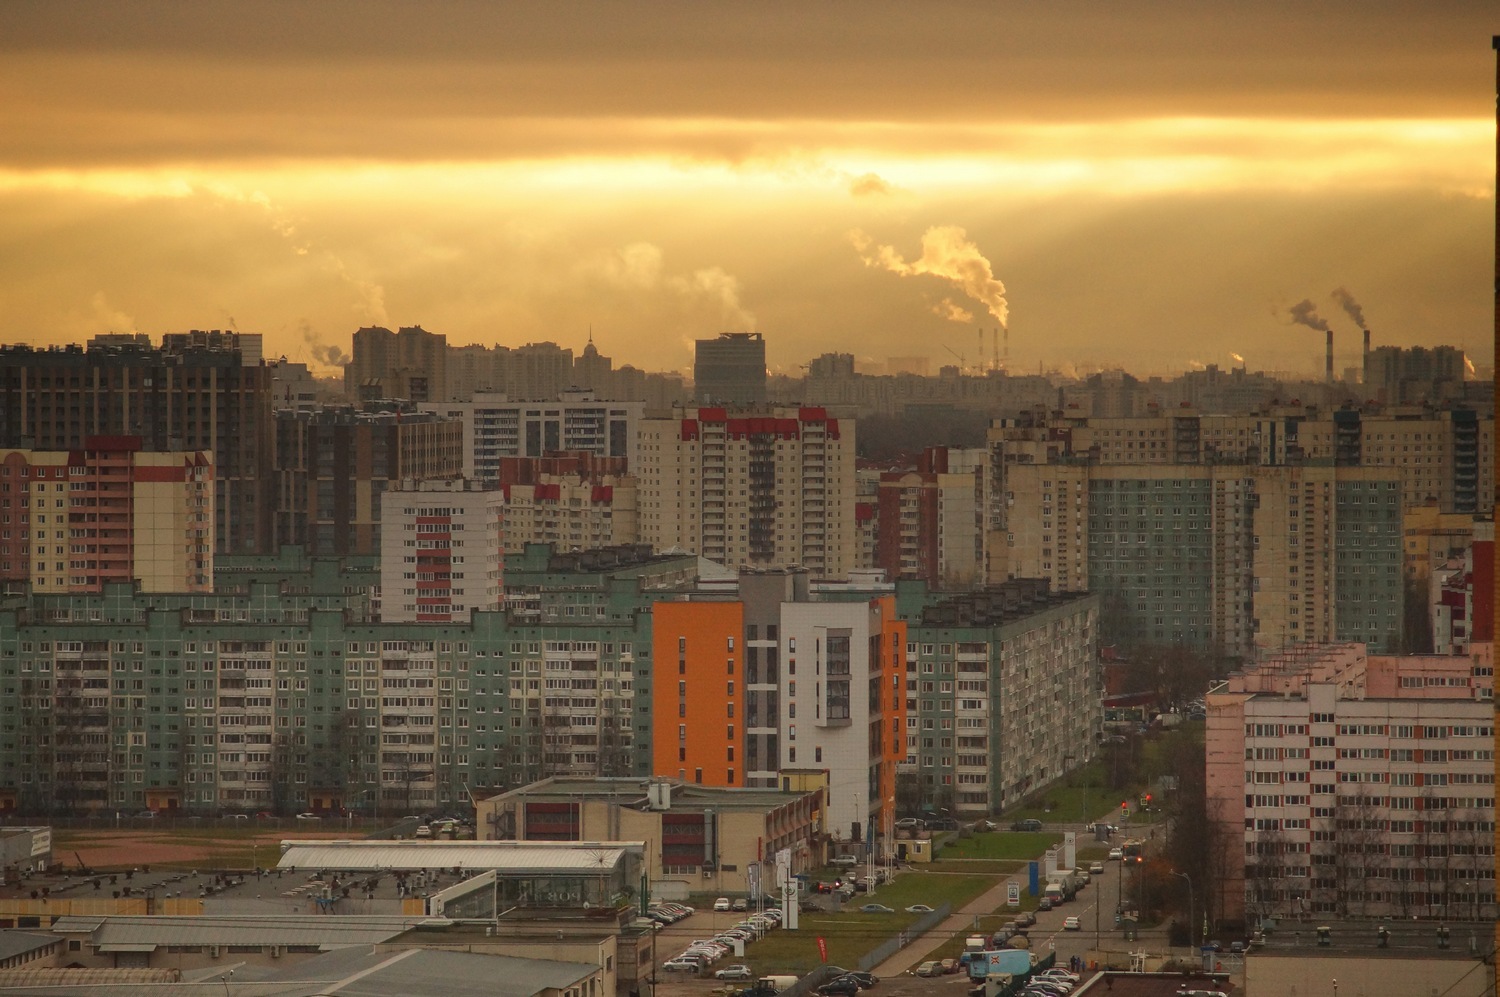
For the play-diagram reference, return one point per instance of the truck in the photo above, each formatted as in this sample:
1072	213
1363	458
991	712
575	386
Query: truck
768	985
1013	961
1060	888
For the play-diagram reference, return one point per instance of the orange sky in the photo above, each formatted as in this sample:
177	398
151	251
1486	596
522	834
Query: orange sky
1147	184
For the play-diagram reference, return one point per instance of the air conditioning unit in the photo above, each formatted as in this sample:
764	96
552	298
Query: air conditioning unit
708	873
213	951
277	951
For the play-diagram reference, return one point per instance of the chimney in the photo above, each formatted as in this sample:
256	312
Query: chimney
1328	366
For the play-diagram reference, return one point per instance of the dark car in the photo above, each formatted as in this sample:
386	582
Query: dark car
865	980
1029	824
844	986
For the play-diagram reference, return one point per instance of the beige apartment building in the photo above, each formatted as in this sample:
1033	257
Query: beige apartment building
761	488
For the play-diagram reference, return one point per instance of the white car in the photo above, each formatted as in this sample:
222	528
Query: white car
1116	854
919	909
721	904
1072	923
736	972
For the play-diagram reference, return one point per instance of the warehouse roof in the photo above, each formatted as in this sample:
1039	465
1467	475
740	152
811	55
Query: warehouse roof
119	933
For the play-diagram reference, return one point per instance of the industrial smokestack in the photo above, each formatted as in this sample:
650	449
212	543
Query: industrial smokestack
1367	346
1328	366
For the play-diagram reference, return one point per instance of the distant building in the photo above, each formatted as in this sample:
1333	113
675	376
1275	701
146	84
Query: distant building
574	501
292	386
333	465
931	519
411	364
1354	786
730	370
194	396
442	551
1410	376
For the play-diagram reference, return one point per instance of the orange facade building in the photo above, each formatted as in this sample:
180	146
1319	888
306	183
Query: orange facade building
698	692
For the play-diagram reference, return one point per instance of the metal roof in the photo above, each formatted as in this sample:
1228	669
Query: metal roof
14	943
505	857
113	932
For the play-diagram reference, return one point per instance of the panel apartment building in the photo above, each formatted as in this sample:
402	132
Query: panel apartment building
442	551
75	520
750	488
280	692
1230	555
205	394
496	428
1354	785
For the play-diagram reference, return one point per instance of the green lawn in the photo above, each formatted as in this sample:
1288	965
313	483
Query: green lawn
850	934
1014	846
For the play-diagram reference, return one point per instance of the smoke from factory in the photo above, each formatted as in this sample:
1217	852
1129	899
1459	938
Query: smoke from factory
1305	313
1236	358
948	254
330	356
1351	307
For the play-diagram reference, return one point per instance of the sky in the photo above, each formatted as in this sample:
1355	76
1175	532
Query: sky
1151	184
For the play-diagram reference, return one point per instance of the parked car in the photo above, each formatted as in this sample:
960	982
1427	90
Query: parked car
929	968
1027	918
865	980
986	825
1029	824
919	909
308	816
844	986
740	903
949	966
682	964
1096	868
847	861
1044	904
1071	923
738	971
721	904
422	832
147	814
1116	854
876	909
1058	973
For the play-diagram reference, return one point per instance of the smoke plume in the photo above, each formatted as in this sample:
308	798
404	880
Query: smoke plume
1350	306
1236	358
952	312
948	255
329	356
1305	313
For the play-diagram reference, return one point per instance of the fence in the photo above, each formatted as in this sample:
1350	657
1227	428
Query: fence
890	947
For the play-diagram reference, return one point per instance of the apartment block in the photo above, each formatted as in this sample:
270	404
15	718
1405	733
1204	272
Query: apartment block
333	465
442	551
931	519
201	397
496	428
280	691
730	370
76	520
1233	555
749	488
1002	695
1354	785
699	702
410	363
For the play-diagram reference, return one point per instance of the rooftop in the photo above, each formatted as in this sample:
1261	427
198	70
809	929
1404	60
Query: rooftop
514	858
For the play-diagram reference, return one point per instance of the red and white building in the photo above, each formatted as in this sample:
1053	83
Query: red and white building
442	550
72	520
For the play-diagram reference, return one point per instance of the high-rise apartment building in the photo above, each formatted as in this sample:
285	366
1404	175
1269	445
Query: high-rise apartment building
1408	376
76	520
411	363
203	397
730	370
931	519
1351	785
334	464
574	501
496	428
442	551
761	490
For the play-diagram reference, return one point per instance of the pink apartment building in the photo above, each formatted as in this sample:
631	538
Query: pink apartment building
1348	784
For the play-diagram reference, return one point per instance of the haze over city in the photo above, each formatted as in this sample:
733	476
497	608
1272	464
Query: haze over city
1155	185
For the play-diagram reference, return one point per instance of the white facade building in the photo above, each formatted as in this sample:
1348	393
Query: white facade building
442	551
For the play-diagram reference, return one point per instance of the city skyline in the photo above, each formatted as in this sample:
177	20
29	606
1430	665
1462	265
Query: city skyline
1155	187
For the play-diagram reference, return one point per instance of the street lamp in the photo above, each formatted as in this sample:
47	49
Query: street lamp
1185	877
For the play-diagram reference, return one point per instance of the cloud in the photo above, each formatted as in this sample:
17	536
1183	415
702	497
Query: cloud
870	185
947	254
110	317
639	268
